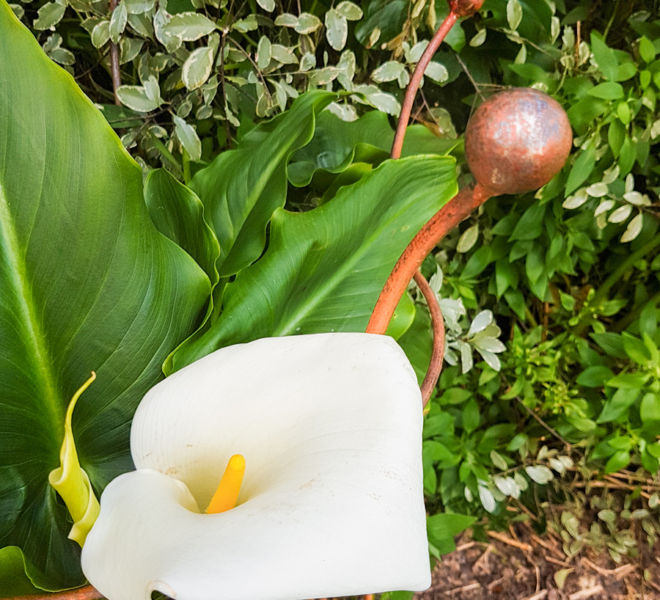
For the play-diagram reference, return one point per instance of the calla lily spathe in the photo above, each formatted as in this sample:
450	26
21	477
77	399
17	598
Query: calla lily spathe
332	502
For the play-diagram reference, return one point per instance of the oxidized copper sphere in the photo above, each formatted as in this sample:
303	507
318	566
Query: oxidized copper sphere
517	141
465	8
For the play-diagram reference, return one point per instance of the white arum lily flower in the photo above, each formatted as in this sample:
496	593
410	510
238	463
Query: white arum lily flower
331	504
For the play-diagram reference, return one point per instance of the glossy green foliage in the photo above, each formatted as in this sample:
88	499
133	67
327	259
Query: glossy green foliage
338	144
241	188
87	284
324	269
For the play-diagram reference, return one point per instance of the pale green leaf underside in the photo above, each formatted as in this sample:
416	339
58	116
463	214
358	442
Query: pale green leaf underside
87	284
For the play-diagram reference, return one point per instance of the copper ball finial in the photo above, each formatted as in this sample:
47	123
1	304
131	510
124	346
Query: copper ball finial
465	8
517	141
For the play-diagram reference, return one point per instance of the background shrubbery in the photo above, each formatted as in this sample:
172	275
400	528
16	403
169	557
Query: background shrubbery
551	394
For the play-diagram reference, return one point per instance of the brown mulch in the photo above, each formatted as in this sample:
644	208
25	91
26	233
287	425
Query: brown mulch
518	565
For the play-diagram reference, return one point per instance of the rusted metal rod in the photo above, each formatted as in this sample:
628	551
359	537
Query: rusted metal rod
457	9
438	326
450	215
83	593
416	79
408	264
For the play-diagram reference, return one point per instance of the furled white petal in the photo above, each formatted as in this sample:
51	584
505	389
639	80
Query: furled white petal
332	502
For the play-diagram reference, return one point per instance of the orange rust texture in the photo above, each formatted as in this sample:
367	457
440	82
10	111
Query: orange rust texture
83	593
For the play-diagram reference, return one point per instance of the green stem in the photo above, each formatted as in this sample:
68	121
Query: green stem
618	273
185	159
611	21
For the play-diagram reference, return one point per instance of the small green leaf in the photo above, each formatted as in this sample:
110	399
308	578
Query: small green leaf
49	14
118	22
129	48
388	71
609	90
581	169
646	50
618	405
445	526
246	25
197	68
468	238
307	23
188	138
616	133
101	33
479	38
595	376
138	7
267	5
471	417
286	20
336	29
286	56
604	57
540	474
263	52
498	461
611	343
619	460
349	10
633	229
513	13
436	71
136	98
650	408
403	317
189	26
530	225
626	156
560	577
623	112
629	380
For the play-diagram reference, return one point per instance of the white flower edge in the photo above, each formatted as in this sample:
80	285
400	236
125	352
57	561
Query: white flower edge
332	503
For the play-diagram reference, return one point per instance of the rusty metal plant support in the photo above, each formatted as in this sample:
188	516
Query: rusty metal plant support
412	258
515	142
438	325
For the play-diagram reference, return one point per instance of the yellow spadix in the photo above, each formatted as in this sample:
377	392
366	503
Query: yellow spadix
226	495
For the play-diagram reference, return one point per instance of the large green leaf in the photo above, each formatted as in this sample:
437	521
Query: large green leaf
87	284
242	188
179	214
324	269
336	144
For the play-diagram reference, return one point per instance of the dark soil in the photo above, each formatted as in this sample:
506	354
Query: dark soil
518	565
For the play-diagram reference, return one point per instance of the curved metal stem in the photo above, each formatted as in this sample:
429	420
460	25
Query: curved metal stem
416	79
450	215
438	325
